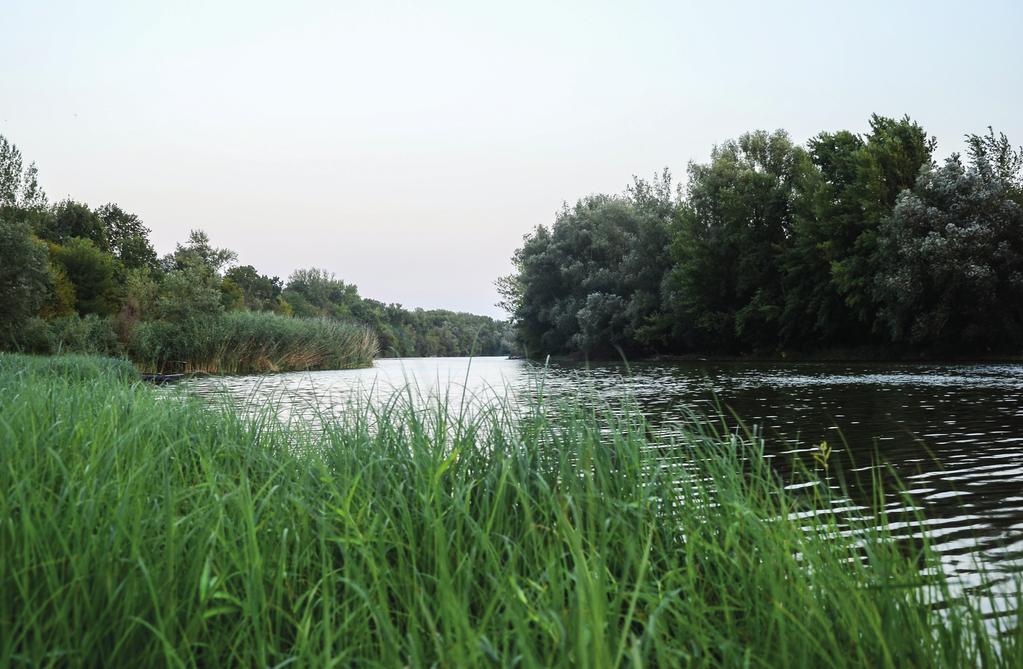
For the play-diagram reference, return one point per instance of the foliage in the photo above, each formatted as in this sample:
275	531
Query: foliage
736	224
74	220
89	335
401	332
892	156
259	292
74	334
952	256
190	285
128	237
24	276
19	185
250	342
592	281
773	246
67	368
828	219
147	530
60	300
199	254
91	272
102	262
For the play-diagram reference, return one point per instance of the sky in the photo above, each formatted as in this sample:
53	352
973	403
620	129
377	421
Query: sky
408	147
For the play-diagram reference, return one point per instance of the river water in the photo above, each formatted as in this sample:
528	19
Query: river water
952	433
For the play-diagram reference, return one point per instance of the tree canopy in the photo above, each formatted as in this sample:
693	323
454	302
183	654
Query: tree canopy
849	241
71	268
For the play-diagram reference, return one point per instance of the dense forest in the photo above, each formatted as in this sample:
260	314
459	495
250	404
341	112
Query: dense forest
851	243
84	279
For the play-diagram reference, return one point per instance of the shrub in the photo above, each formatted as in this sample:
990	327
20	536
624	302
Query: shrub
251	342
90	334
24	277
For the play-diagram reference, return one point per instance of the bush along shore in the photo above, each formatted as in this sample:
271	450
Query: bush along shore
848	242
230	343
81	279
246	342
139	531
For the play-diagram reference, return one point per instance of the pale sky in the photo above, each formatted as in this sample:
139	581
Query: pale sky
407	147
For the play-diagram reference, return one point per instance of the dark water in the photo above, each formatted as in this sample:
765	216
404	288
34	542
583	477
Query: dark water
952	433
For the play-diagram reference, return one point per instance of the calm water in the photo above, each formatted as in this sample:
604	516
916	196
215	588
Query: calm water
953	433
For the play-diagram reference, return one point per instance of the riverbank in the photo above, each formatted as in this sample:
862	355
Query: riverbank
241	342
835	355
144	531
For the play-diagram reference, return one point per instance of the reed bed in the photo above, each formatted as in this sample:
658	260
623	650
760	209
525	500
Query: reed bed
147	530
251	342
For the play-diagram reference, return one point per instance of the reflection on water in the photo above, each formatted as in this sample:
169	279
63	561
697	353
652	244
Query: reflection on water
952	433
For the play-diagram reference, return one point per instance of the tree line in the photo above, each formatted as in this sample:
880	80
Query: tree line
74	277
849	242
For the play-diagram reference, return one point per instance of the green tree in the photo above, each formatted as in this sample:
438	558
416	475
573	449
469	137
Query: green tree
592	281
259	291
827	221
889	162
128	237
188	293
951	254
91	272
317	292
19	185
199	254
70	220
734	229
60	299
24	276
10	174
191	284
996	161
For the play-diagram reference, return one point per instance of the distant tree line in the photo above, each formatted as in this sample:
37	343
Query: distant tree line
73	277
849	242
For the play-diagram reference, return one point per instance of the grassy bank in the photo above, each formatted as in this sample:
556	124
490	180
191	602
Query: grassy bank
251	342
240	342
144	532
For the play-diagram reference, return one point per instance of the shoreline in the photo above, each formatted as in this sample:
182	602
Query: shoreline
830	356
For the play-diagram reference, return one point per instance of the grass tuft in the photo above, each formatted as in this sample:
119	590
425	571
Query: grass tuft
246	342
139	530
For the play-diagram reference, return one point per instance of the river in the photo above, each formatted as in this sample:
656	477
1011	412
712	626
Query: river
952	433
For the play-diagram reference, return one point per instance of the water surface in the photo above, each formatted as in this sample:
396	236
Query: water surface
952	433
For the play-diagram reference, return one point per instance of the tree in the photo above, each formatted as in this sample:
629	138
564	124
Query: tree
558	269
734	228
10	173
951	254
24	276
827	221
259	291
648	260
19	186
198	253
232	297
128	238
60	299
91	272
889	162
188	293
70	220
995	160
592	281
191	285
317	292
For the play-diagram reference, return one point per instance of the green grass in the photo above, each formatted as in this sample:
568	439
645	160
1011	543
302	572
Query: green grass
243	342
139	530
237	342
